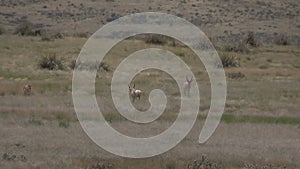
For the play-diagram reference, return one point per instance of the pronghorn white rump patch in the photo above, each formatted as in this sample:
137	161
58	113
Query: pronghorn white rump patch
102	41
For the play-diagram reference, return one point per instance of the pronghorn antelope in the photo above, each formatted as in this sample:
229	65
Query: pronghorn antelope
135	93
187	86
27	90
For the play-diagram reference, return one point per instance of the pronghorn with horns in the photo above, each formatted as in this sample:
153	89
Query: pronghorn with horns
187	86
135	93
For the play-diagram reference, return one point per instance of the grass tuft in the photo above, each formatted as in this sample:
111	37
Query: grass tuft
34	121
180	54
63	123
2	30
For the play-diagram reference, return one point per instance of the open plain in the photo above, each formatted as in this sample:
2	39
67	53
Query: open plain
260	127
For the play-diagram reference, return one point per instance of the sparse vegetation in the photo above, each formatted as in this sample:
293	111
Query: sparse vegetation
156	39
170	165
236	75
241	47
203	163
103	67
113	118
101	166
251	40
259	119
229	60
63	123
72	64
50	36
264	66
262	84
13	157
281	40
33	120
25	29
181	54
51	62
268	166
82	35
2	30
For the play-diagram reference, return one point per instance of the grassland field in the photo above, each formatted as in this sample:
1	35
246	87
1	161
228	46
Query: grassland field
260	127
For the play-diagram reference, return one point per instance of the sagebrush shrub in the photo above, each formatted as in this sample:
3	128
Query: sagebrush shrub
25	29
236	75
51	62
50	36
2	30
281	40
241	47
103	67
156	39
72	64
252	40
229	60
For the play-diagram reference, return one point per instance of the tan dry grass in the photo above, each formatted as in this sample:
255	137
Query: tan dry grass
52	146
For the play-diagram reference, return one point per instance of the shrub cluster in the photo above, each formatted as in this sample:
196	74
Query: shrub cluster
49	36
156	39
103	66
242	47
229	60
236	75
51	62
25	29
101	166
281	40
2	30
251	40
204	163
